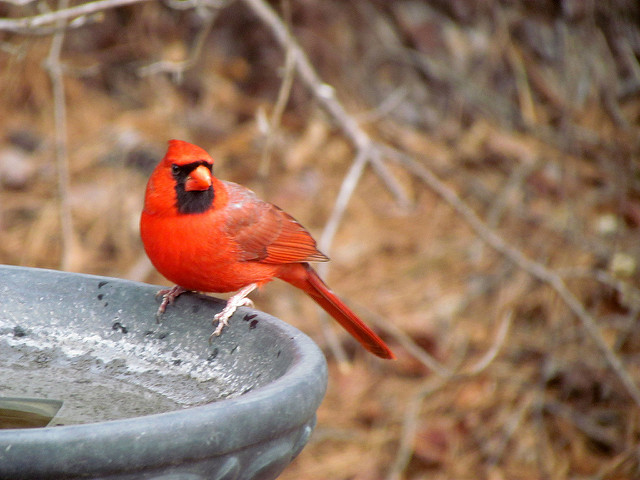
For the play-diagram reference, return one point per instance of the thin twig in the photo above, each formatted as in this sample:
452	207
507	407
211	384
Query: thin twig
189	4
512	424
497	344
584	423
525	97
349	184
54	67
410	427
625	289
409	345
178	68
30	25
500	203
609	469
393	101
410	424
20	3
323	92
281	103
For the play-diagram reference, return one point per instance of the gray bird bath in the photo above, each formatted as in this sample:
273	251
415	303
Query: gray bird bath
142	400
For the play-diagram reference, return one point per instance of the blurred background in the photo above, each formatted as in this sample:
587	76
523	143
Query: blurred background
526	113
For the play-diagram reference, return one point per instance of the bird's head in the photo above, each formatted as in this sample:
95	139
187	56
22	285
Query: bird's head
184	175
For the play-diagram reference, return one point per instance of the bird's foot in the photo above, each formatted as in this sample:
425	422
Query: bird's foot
169	296
238	300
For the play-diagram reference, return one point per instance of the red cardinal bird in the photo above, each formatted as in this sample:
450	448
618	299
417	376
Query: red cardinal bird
210	235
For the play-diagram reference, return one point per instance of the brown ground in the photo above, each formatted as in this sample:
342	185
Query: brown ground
530	113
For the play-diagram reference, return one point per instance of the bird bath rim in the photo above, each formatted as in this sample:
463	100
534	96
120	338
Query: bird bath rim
209	437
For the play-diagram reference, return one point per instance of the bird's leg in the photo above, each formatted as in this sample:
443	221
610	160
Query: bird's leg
237	300
169	296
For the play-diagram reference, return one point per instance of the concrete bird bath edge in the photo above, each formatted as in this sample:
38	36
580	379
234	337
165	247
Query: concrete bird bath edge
148	400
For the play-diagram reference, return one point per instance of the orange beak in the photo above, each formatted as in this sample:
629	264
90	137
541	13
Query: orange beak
198	180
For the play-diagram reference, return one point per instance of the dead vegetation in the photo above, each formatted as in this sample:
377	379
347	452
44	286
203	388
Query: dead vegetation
472	168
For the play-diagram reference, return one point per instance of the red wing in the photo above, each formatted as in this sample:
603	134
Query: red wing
265	233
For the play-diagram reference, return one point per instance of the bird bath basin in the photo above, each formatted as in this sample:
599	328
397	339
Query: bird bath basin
142	400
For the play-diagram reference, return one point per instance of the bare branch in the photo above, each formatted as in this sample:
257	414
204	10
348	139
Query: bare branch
54	67
322	91
535	269
177	69
410	345
349	184
325	94
20	3
30	25
410	426
189	4
281	103
492	353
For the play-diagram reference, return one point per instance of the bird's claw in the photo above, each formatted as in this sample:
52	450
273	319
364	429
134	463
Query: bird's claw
169	296
247	302
238	300
223	321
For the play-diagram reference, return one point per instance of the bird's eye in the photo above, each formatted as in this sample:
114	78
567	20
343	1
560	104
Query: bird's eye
175	169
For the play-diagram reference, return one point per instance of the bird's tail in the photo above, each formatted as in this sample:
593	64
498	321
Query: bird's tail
305	278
